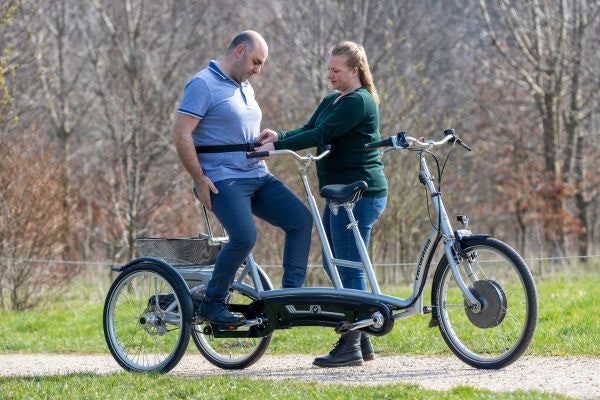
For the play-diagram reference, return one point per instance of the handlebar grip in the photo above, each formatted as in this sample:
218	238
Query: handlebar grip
455	139
257	154
382	143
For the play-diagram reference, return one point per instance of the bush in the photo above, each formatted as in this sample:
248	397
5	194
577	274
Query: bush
30	217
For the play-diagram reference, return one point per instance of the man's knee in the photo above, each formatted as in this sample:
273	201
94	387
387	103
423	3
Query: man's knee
243	242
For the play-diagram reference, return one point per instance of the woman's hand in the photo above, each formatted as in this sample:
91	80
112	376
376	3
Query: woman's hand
266	147
268	136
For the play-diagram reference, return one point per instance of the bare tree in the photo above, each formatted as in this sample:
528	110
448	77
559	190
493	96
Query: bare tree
541	46
61	85
142	53
8	61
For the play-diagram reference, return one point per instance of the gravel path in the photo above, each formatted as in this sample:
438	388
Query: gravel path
577	377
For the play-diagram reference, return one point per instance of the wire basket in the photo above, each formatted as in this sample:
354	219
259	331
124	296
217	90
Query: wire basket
179	252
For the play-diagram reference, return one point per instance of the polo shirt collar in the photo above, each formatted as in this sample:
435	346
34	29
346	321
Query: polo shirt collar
212	65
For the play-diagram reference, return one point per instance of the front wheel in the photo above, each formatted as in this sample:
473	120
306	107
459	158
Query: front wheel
147	318
496	335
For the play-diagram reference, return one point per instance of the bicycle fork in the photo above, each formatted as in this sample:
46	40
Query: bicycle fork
449	239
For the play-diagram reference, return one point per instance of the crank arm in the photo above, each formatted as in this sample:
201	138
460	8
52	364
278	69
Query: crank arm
376	321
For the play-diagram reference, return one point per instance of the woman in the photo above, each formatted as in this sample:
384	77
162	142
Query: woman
346	119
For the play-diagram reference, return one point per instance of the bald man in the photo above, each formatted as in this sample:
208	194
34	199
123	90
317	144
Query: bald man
217	121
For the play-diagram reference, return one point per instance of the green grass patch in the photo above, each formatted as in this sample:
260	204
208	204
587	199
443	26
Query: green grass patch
138	386
568	325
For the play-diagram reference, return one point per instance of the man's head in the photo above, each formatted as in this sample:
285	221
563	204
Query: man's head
246	55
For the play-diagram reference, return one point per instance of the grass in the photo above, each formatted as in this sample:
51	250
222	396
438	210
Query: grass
138	386
567	325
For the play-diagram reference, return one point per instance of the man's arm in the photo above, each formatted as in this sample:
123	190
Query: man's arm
183	126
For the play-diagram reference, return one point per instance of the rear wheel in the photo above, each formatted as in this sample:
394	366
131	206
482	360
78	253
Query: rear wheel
147	318
501	331
237	352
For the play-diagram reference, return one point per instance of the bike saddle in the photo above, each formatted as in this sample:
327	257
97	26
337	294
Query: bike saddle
341	193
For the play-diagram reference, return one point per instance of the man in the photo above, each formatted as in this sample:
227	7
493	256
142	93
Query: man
217	115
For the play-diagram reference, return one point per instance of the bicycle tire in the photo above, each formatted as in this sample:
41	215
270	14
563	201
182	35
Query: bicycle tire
499	334
147	318
233	353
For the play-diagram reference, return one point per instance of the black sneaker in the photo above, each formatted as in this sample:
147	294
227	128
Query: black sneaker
217	313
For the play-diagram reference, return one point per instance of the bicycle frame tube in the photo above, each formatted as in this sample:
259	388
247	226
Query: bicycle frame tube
325	247
446	229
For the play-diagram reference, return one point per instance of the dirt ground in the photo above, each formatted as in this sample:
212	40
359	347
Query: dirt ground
577	377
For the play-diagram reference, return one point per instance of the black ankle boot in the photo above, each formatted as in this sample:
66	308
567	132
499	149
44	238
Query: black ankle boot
368	354
345	353
217	313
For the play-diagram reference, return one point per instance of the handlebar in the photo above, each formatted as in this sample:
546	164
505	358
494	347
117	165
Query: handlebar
402	140
307	157
389	142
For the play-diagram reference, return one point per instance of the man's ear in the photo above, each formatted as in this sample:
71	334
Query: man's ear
240	50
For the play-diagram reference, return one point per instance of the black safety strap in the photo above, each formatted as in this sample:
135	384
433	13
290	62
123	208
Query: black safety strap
227	148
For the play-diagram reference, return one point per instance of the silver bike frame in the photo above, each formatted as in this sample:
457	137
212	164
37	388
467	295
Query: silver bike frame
410	306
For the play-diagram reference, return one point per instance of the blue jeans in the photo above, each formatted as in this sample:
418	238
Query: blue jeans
366	212
271	200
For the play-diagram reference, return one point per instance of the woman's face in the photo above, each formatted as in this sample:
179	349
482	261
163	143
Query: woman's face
340	76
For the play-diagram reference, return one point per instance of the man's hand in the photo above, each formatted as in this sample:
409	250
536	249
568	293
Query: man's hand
204	188
183	126
268	136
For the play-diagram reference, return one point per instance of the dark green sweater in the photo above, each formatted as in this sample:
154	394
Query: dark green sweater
346	125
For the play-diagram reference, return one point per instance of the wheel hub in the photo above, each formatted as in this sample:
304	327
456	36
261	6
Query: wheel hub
152	324
493	304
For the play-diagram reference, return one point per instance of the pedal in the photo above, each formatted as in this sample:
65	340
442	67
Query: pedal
243	324
224	328
343	327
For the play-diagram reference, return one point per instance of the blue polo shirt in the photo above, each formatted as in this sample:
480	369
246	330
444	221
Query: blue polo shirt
229	114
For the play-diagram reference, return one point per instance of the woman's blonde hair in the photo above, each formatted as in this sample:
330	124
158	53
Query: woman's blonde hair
357	58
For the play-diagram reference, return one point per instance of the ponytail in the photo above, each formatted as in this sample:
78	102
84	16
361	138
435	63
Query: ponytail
357	58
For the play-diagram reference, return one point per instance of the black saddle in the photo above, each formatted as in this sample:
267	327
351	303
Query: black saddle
342	193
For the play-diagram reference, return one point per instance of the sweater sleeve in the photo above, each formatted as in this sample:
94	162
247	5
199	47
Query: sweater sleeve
347	113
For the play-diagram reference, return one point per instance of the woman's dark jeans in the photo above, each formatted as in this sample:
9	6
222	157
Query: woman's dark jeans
366	211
